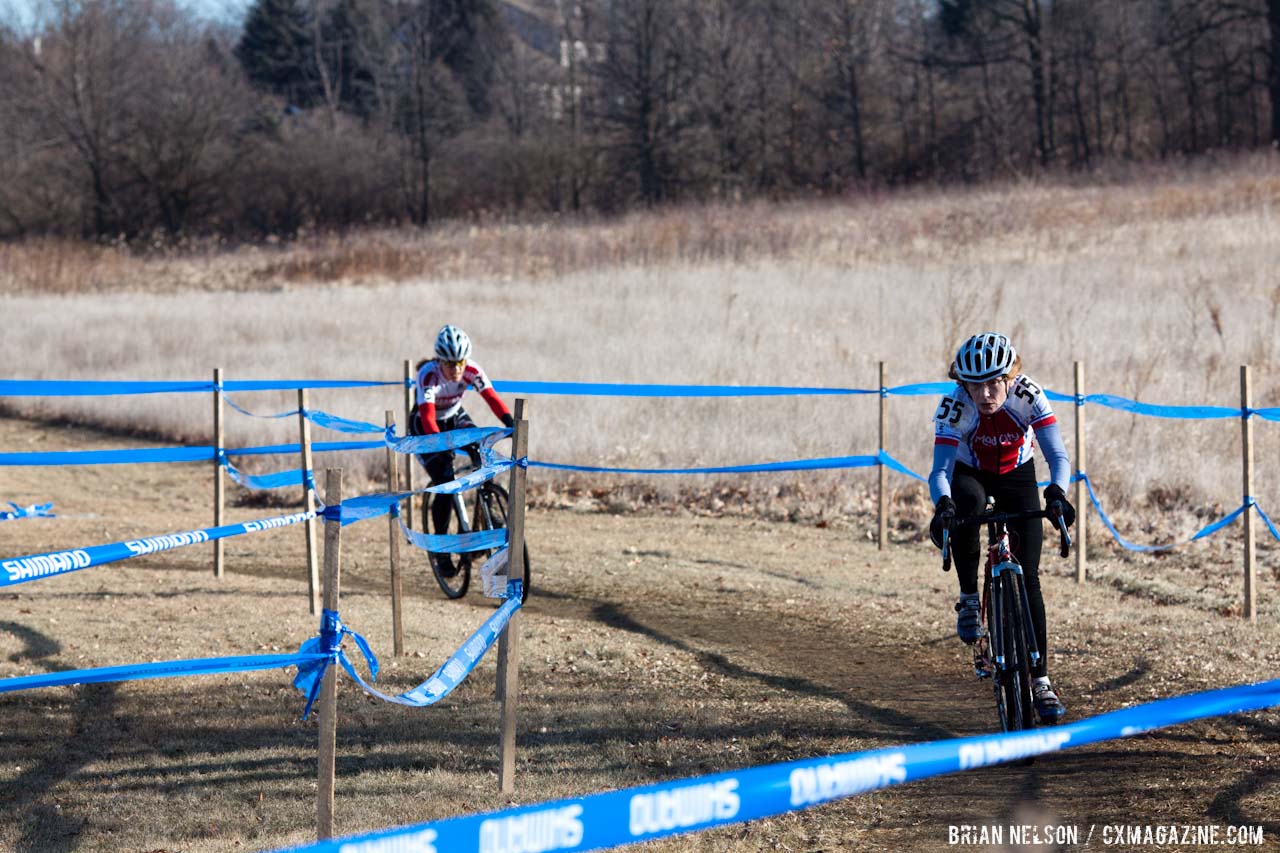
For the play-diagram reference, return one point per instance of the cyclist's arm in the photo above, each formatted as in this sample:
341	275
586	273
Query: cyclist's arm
944	464
499	408
1055	453
427	415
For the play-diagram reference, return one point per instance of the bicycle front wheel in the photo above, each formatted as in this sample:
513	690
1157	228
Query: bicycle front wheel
1013	678
491	513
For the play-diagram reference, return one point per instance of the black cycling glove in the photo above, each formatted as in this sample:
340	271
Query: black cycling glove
943	516
1053	492
508	420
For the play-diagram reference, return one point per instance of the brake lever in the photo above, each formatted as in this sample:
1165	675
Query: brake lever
1055	514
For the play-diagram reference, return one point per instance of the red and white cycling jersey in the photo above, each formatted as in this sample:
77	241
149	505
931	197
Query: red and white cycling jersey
999	442
446	396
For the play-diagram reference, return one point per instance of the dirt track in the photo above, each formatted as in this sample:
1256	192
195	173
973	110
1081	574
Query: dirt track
657	647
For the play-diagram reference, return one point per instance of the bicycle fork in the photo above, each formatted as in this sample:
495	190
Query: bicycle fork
1001	657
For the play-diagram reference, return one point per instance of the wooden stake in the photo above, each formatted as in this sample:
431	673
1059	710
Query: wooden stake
1082	492
328	701
309	504
393	525
1250	544
882	535
509	643
408	463
219	487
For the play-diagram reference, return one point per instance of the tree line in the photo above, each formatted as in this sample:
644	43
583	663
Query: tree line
135	119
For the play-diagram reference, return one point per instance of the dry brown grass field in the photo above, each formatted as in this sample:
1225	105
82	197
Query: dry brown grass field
679	625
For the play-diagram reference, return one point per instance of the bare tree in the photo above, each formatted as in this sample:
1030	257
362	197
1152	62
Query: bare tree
644	79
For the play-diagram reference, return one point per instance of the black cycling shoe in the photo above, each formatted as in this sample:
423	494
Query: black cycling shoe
1048	705
444	566
969	620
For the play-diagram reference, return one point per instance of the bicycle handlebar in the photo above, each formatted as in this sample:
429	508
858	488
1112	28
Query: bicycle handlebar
1053	513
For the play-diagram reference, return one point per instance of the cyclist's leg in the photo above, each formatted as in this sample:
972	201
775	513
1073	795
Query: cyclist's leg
970	496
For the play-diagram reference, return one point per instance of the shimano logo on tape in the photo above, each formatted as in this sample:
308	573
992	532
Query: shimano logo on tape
1009	748
164	543
679	808
414	842
46	564
533	832
844	778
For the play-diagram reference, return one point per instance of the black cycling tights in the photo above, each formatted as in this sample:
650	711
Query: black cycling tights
1014	492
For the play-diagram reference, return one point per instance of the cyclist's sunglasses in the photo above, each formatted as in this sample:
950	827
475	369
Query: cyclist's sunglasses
456	365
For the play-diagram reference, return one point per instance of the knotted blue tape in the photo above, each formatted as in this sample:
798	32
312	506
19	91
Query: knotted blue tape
325	650
631	815
33	511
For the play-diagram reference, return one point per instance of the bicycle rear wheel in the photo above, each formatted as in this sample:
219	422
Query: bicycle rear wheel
491	513
1013	679
452	585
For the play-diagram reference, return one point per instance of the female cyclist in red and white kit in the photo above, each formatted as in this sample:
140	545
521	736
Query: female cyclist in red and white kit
440	384
985	434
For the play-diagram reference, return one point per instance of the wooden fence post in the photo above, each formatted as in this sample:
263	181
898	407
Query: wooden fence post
1082	492
1250	544
409	378
328	701
309	504
393	524
509	642
219	487
882	535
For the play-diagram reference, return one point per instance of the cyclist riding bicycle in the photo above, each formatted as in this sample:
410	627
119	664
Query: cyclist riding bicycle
440	384
984	445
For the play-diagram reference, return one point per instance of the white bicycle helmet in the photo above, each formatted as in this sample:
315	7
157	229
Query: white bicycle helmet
984	357
452	344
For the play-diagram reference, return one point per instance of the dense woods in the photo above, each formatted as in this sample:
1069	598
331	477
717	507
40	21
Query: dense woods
134	119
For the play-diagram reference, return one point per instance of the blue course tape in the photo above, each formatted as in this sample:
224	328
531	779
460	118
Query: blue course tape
159	669
109	457
74	388
34	566
78	388
1203	532
610	389
33	511
1267	521
277	480
1185	412
457	543
316	447
243	411
761	467
438	442
631	815
337	424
